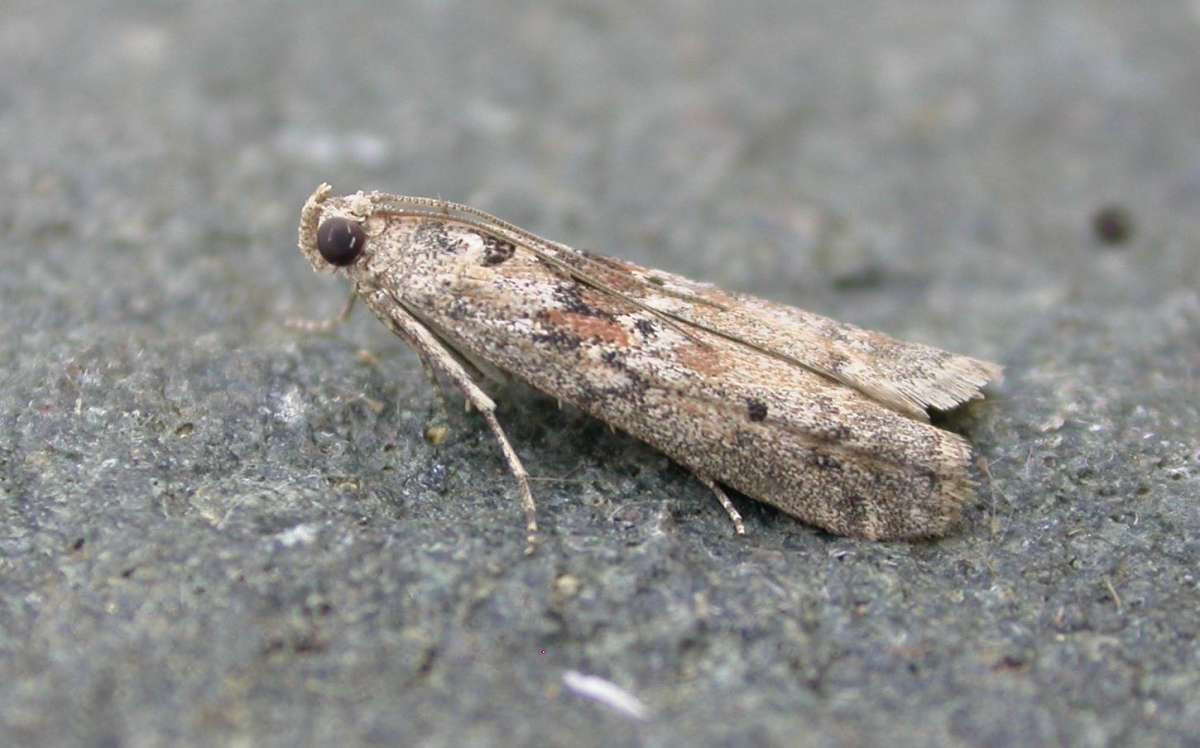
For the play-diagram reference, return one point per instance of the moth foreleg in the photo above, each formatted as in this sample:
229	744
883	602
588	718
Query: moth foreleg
325	325
438	358
730	509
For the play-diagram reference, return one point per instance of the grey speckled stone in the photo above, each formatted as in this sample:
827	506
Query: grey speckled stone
216	531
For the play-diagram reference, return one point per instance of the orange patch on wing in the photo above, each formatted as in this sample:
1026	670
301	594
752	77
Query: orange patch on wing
588	328
706	361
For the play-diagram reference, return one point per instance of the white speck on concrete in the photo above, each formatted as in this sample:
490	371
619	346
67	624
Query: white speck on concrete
605	692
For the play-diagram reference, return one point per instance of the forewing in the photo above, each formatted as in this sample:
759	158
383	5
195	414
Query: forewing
907	377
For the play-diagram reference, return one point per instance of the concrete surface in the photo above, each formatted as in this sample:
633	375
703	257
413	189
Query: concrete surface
216	531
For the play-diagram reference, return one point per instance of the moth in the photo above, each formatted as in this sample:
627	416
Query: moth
824	420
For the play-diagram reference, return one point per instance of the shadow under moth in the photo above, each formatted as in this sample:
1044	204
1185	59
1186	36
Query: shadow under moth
824	420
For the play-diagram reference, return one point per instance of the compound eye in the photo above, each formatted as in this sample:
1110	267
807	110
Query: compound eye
340	241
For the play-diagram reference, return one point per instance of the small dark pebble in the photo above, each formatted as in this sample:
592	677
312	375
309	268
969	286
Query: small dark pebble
1113	225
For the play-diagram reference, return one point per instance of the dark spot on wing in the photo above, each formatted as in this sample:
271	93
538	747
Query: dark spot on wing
646	327
496	251
756	409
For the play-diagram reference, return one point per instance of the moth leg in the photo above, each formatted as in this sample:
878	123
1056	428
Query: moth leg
518	470
730	509
440	359
325	325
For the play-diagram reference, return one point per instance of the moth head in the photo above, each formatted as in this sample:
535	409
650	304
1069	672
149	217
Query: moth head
332	229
